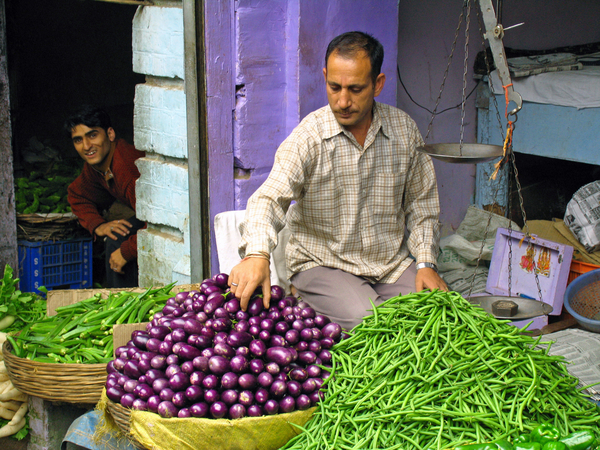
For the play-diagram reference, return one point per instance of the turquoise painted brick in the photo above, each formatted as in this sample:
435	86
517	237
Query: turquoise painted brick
159	119
157	41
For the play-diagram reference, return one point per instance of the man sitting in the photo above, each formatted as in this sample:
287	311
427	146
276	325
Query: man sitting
109	174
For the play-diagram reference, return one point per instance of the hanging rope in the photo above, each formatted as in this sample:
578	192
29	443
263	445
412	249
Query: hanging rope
507	147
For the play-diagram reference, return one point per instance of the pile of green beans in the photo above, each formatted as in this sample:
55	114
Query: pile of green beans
430	371
82	332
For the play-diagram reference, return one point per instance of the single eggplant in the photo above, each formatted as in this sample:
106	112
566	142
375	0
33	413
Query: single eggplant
229	396
167	409
247	381
280	355
218	410
237	339
229	380
199	409
287	404
237	411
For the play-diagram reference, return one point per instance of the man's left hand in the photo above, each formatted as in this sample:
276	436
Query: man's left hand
429	279
117	261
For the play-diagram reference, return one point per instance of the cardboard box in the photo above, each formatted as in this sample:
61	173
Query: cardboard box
69	296
122	333
512	255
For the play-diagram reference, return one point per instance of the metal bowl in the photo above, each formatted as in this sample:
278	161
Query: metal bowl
463	153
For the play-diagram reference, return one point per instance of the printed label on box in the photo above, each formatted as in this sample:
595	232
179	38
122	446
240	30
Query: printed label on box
526	268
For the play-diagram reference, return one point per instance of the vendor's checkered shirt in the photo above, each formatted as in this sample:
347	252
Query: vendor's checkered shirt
351	204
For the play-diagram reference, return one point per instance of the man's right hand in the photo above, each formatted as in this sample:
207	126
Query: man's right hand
247	276
111	229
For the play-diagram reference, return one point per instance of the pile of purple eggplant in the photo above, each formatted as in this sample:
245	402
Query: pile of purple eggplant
202	356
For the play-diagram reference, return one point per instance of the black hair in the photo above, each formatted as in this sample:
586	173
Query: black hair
352	42
89	115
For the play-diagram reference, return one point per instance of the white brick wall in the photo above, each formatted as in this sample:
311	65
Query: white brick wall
162	193
161	253
159	119
160	130
158	41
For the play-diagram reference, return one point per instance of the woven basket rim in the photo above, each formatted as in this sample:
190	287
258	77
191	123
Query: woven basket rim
121	416
47	217
69	383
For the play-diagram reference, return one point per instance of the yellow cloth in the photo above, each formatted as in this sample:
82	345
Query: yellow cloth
250	433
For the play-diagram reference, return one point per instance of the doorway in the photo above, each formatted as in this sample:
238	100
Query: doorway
61	54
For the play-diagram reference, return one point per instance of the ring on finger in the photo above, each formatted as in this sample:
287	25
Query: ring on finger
111	228
234	284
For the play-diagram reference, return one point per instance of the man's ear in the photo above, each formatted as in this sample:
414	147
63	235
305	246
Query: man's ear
325	73
379	83
111	134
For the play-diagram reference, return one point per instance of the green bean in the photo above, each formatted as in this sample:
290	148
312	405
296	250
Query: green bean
430	371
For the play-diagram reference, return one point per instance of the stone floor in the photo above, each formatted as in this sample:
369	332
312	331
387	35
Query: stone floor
8	443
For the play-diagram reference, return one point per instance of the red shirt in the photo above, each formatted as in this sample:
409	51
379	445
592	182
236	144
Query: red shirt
90	193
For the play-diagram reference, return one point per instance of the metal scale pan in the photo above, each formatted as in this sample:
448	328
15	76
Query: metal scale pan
464	154
525	308
467	153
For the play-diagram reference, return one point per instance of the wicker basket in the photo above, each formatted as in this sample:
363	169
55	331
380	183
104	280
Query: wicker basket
121	416
69	383
48	227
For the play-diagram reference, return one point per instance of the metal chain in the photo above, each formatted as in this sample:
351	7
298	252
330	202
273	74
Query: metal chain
497	189
508	210
525	225
465	71
437	102
514	173
487	227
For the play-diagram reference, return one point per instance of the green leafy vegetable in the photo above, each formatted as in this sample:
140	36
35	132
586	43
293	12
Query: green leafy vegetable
18	309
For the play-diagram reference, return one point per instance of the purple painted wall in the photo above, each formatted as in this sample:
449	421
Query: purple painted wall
279	62
426	33
261	78
322	21
219	105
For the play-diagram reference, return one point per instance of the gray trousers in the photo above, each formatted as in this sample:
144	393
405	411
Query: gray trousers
344	297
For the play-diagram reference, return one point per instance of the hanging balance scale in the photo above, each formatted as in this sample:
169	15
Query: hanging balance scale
501	307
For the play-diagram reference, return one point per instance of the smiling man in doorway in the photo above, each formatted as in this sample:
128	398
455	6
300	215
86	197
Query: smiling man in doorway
365	219
109	174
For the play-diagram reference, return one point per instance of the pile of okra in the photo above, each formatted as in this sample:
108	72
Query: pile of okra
82	332
430	371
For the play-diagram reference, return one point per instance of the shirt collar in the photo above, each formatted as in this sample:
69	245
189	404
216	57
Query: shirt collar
332	127
108	175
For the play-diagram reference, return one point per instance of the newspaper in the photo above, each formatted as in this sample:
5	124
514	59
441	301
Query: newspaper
582	216
581	349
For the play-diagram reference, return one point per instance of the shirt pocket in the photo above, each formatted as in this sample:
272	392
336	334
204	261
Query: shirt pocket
385	198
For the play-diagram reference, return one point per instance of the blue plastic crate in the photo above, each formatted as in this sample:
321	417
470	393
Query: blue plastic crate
56	265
